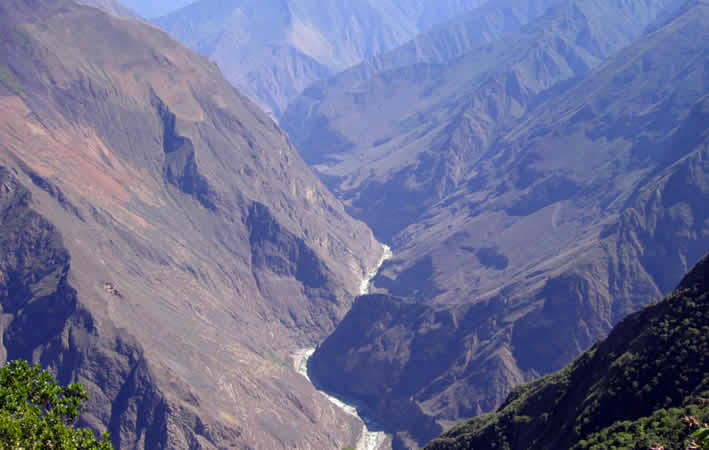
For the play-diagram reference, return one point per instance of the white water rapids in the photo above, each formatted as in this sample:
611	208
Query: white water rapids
369	440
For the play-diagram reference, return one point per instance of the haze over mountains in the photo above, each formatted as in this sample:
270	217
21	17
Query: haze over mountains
363	135
172	245
531	207
539	166
273	50
482	24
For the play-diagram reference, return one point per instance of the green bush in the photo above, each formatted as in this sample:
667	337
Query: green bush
37	413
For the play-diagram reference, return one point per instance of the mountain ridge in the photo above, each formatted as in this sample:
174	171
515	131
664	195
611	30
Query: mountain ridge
273	53
113	7
583	212
162	228
635	385
361	141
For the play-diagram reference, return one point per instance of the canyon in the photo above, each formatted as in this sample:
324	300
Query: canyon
538	167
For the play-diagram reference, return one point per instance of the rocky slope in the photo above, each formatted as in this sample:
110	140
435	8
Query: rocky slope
171	243
593	205
415	131
485	23
272	51
631	390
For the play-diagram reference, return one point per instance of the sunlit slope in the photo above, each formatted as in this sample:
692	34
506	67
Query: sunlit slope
172	245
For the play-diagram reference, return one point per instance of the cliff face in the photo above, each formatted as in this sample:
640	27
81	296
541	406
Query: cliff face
588	208
173	245
630	390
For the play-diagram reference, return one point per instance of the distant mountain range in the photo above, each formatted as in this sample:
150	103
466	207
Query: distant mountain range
485	23
273	50
399	130
536	190
160	240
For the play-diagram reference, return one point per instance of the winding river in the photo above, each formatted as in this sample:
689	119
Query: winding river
369	440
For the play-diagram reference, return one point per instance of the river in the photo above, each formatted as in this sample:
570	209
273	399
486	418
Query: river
369	440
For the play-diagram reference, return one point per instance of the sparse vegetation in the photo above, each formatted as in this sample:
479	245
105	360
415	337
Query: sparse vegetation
645	387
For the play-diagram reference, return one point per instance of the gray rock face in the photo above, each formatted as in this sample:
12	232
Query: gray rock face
273	50
172	245
558	223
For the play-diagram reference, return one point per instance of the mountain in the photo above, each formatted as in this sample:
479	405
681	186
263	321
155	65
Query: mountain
113	7
161	242
272	51
589	206
631	390
415	131
485	23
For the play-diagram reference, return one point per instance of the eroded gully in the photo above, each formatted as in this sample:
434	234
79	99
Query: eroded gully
369	440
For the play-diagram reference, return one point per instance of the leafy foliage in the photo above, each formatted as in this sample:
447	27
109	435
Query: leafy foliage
666	428
37	413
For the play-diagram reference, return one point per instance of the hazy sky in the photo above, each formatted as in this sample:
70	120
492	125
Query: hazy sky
155	8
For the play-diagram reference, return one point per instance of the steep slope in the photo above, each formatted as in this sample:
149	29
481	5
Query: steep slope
591	207
171	243
415	131
630	390
272	51
444	42
481	25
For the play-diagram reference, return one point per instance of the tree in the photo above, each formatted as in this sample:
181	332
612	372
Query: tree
37	413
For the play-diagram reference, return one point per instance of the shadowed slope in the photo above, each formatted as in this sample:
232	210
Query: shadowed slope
630	390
